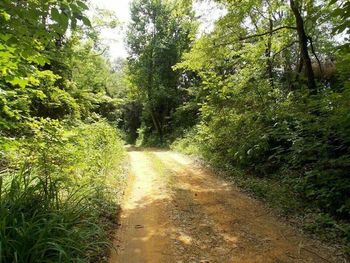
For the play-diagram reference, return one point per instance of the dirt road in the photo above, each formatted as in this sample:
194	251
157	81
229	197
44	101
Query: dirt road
175	211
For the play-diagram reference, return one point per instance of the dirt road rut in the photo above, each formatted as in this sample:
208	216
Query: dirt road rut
177	212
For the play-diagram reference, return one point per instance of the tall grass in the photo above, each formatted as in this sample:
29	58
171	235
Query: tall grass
59	193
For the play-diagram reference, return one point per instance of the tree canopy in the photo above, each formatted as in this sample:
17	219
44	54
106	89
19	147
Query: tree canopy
158	35
266	91
263	95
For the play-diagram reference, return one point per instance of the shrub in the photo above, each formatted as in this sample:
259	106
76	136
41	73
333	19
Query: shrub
307	136
58	196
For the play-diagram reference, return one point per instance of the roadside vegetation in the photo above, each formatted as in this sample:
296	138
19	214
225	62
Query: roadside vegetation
264	96
61	167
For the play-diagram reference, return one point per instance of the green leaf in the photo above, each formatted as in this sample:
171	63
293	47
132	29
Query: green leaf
61	18
64	22
19	81
86	21
55	14
5	15
82	5
75	8
5	37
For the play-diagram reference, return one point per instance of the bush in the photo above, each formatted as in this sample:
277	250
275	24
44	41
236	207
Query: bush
300	141
187	144
58	196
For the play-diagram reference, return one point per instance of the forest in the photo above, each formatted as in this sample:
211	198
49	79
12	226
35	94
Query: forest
262	95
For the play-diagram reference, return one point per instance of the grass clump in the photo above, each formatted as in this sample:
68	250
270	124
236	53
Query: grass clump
59	192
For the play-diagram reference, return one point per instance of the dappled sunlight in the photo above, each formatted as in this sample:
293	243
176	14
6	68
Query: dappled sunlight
201	189
146	186
255	92
160	223
175	211
185	239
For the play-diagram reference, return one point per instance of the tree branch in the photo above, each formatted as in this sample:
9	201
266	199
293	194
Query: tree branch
257	35
314	53
268	32
100	54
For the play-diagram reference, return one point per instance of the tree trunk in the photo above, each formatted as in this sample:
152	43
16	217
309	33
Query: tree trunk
303	41
268	53
157	125
155	120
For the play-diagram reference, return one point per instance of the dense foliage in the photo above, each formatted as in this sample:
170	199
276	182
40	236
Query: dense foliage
60	167
268	90
264	95
58	197
158	35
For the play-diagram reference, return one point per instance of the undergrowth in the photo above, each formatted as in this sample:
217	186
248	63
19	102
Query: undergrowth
59	192
282	190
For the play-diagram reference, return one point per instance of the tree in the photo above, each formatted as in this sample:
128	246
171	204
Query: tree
262	108
32	35
303	43
159	33
58	153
